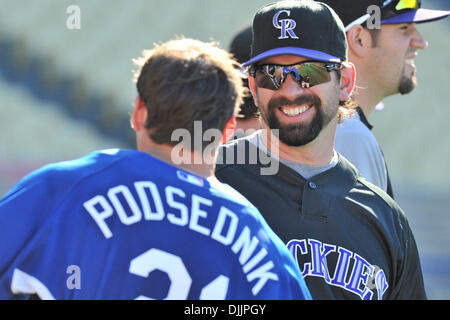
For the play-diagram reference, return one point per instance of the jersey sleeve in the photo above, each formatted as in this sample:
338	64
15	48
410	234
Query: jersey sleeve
409	283
22	214
363	152
291	284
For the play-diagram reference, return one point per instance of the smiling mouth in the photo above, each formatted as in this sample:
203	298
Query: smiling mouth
292	112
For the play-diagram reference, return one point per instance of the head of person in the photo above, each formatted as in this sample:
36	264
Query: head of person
240	49
383	40
188	85
299	75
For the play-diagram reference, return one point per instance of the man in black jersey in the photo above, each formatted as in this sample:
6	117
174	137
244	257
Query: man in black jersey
351	240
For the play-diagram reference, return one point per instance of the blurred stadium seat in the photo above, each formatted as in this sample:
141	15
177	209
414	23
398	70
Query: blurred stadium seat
35	133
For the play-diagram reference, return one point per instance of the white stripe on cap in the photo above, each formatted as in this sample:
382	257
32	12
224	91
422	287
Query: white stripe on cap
360	20
364	18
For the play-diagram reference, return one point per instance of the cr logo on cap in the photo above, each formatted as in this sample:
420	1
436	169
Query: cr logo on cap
286	25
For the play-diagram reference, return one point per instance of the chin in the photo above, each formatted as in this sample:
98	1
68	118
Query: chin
407	84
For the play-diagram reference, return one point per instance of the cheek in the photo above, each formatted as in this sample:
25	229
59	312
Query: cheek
331	103
393	54
329	92
261	97
330	100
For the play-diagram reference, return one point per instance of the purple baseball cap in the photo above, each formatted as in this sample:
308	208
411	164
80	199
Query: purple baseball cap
303	28
417	16
354	12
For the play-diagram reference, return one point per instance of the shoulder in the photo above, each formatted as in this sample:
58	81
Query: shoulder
235	150
353	128
347	171
365	194
248	214
56	178
358	144
230	197
227	192
280	266
356	200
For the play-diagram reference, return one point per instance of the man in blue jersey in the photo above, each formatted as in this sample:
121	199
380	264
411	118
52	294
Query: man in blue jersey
152	223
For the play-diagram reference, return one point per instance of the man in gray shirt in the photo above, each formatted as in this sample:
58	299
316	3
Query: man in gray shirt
384	59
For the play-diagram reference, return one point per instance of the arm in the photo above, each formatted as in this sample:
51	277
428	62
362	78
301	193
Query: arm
409	283
21	215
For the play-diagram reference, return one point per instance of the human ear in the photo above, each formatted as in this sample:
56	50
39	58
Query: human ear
359	41
348	78
139	116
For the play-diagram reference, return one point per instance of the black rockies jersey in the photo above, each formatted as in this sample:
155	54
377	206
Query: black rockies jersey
351	240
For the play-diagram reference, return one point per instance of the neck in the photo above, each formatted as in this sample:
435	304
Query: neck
368	91
251	123
366	99
320	151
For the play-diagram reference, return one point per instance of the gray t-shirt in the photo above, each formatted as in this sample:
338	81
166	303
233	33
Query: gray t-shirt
358	144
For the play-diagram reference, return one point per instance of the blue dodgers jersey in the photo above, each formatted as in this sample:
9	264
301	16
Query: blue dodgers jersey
120	224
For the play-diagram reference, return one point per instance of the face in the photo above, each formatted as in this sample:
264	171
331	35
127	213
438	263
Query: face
298	113
393	58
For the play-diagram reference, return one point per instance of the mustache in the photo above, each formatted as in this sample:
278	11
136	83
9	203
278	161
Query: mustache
410	51
303	99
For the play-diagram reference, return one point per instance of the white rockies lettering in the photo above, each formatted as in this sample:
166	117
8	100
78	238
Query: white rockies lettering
364	279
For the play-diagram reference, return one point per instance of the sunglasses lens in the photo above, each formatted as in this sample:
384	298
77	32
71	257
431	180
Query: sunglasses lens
269	77
407	4
312	74
306	74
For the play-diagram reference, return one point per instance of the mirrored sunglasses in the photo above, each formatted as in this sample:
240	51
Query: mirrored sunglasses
307	74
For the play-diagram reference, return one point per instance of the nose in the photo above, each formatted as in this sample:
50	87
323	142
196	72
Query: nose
417	40
290	86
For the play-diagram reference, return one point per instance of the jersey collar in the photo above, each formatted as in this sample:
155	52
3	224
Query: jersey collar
363	118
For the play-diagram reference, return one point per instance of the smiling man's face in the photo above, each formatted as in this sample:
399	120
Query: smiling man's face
393	56
298	113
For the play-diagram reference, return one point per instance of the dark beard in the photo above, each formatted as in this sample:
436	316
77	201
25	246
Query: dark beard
406	84
297	134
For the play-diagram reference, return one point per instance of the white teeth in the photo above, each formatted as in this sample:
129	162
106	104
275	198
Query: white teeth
294	111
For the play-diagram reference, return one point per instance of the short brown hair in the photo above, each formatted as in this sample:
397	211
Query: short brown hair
186	80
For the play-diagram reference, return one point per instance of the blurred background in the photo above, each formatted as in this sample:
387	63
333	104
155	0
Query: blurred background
67	91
